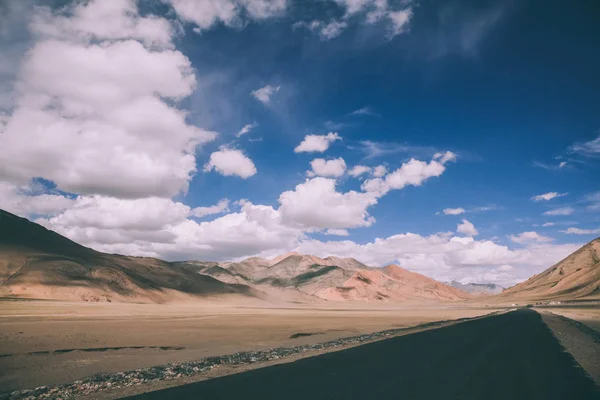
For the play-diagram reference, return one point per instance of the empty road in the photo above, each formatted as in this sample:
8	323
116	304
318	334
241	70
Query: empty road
509	356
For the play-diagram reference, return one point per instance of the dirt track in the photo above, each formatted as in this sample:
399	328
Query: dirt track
509	356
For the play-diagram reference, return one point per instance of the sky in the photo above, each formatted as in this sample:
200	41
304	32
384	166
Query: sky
457	139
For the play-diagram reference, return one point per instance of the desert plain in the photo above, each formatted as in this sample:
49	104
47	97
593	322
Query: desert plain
55	342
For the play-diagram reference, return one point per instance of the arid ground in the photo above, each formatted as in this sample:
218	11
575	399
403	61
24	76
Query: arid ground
50	342
508	356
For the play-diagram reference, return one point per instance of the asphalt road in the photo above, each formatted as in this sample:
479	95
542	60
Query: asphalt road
510	356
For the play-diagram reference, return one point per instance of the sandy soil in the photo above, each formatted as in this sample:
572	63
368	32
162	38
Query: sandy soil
47	342
589	316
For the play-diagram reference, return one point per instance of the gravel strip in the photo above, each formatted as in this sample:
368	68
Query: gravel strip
141	376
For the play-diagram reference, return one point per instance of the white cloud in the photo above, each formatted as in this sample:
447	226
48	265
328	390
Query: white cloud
95	110
246	129
326	31
329	168
399	21
159	228
206	13
359	170
589	149
446	257
547	196
332	29
363	111
466	228
454	211
367	11
317	143
337	232
577	231
562	164
316	204
445	156
379	171
263	9
376	186
22	201
411	173
415	172
548	224
560	211
102	20
530	237
264	93
230	162
219	208
593	201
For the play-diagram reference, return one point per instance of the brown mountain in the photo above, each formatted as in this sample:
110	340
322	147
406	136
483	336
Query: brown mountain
575	277
38	263
335	279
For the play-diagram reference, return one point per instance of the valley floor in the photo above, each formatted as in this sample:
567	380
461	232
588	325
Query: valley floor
51	342
508	356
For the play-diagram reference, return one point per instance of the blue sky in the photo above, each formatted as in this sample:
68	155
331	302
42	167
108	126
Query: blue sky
131	114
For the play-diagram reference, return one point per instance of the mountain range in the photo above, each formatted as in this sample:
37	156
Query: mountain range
38	263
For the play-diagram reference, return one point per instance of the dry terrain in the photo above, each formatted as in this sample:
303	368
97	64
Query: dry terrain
48	342
575	277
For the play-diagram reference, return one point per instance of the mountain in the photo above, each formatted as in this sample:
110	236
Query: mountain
478	289
575	277
336	279
38	263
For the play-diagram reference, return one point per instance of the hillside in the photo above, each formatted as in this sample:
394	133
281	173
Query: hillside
38	263
575	277
335	279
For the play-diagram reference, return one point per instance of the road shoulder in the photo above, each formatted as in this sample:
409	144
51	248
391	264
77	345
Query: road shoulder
581	341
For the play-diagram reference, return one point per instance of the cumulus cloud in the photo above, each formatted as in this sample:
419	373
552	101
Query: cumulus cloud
265	93
96	104
206	13
23	201
159	228
547	196
379	171
578	231
529	237
329	168
316	204
230	162
219	208
466	228
359	170
446	257
453	211
560	211
246	129
317	143
415	172
411	173
336	232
